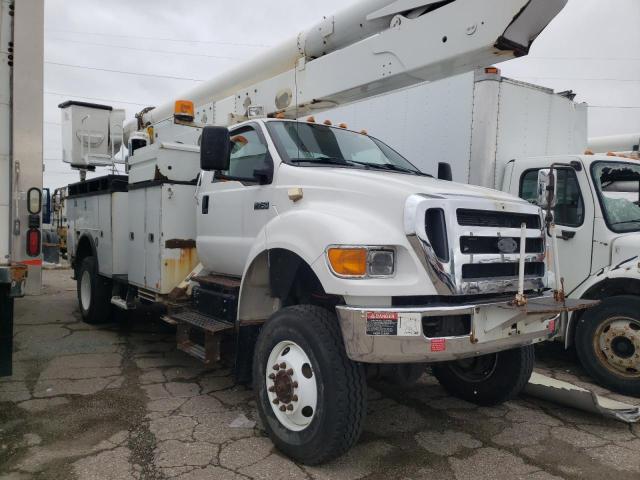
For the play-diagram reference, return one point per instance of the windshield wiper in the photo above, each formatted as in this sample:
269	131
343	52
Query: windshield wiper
626	221
392	167
324	160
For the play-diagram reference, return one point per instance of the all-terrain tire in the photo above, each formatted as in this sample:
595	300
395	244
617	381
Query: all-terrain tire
338	418
94	293
505	375
592	324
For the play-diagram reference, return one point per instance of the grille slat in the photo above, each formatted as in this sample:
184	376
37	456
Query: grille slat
477	245
500	270
489	218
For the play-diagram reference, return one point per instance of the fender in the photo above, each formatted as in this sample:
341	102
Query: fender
307	233
621	279
80	253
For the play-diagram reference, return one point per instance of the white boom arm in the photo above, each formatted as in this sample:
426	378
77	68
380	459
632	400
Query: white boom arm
372	47
628	142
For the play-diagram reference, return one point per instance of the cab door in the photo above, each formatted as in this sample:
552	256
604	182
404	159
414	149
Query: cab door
573	216
235	205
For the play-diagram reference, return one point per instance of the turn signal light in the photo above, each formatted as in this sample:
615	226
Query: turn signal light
350	262
33	242
184	110
493	70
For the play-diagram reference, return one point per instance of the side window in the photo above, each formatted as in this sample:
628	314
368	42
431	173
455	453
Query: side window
248	154
569	209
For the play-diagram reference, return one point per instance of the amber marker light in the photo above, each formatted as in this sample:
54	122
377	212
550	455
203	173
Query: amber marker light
348	262
184	110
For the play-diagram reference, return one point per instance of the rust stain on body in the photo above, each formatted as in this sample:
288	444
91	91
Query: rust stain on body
175	270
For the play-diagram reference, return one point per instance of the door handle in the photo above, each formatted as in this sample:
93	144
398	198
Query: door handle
567	234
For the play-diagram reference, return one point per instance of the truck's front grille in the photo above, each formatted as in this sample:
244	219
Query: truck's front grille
500	270
489	218
482	238
475	245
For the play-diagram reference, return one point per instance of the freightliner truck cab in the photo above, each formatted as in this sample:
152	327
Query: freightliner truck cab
597	218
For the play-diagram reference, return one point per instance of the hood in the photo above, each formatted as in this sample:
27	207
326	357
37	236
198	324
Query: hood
625	250
386	183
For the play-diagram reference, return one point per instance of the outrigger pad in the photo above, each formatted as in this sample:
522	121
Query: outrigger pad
569	395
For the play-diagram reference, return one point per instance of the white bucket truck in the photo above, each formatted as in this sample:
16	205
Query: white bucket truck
500	133
301	252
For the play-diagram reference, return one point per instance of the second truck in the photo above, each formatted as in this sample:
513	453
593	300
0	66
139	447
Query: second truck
302	252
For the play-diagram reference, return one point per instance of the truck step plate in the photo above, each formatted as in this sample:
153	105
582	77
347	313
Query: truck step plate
201	321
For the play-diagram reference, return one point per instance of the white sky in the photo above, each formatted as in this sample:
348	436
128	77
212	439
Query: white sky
592	48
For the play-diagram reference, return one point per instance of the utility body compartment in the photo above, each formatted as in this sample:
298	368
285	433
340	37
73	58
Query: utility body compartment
97	209
161	238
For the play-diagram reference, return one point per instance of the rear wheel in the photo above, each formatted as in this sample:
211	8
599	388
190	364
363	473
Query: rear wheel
487	379
607	340
94	293
310	396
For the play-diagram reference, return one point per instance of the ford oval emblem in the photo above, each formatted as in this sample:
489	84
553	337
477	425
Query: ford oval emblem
507	245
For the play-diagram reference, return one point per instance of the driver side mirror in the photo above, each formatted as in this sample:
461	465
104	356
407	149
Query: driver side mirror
215	148
547	188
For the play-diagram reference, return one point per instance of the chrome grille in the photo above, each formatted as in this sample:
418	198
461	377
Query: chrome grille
483	242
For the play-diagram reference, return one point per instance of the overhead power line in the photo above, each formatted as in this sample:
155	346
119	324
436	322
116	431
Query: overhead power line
123	72
612	106
180	40
583	78
151	50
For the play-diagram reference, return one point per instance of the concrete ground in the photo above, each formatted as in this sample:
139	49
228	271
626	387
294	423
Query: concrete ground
119	402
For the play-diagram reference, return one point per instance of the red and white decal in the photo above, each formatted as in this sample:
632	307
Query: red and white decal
382	315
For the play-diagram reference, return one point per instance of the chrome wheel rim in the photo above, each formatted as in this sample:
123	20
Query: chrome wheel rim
291	386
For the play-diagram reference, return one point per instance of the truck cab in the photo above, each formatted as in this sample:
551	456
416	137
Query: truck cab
597	218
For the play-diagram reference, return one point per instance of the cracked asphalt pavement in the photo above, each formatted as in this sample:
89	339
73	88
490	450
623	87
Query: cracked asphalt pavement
119	402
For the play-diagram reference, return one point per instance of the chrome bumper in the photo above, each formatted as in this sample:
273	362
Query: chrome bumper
395	334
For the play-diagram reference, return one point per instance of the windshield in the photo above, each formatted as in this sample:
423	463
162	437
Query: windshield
617	185
311	145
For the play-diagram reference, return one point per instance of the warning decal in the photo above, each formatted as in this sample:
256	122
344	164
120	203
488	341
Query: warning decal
405	324
382	323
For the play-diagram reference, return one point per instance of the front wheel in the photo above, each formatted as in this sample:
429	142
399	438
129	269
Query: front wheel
311	398
488	379
607	340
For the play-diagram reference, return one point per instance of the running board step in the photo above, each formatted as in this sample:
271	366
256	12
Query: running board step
199	335
198	320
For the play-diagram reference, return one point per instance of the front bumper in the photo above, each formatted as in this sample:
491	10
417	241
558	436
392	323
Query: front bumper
395	334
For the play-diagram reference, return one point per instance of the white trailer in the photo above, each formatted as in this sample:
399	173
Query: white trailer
499	133
21	63
301	252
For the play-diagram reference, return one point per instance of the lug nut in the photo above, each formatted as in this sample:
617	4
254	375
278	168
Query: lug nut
295	384
294	398
283	365
289	407
272	388
276	401
283	408
272	376
290	372
276	367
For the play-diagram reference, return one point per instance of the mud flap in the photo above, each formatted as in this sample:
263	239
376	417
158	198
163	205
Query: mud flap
569	395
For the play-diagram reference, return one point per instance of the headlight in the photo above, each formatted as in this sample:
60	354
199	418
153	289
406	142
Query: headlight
361	262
